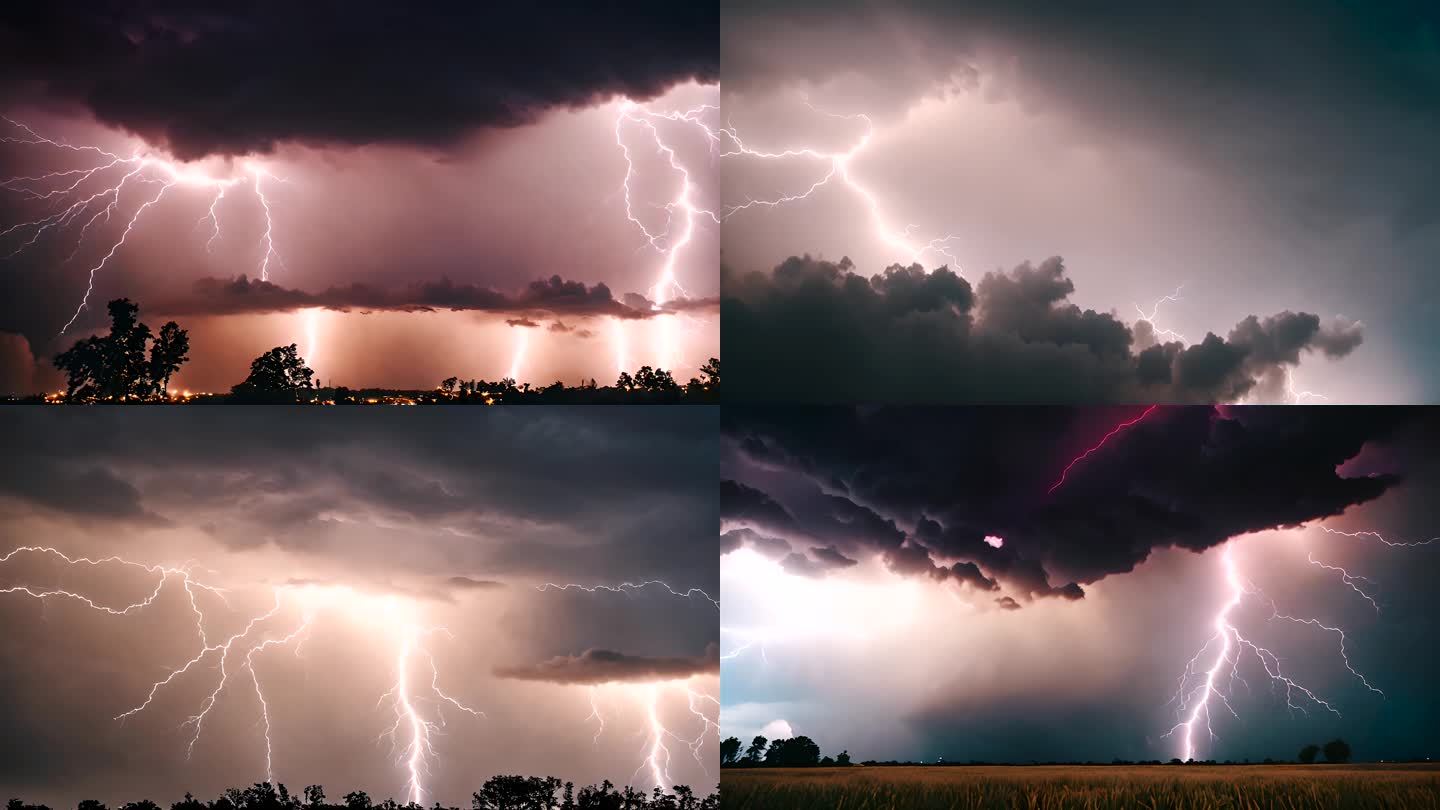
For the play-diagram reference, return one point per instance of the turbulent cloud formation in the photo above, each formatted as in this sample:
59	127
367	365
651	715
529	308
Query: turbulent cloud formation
928	491
597	666
203	79
817	330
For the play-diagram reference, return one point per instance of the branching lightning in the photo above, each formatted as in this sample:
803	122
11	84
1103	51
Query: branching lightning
838	166
95	190
1200	692
656	756
631	587
286	622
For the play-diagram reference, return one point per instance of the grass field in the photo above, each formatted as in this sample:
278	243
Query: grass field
1074	787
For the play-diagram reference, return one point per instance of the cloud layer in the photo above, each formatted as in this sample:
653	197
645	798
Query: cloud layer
817	330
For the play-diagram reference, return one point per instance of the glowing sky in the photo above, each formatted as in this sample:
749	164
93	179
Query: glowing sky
1149	147
868	606
374	522
434	173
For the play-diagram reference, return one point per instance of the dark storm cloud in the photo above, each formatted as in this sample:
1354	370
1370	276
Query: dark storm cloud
204	78
939	486
607	666
1338	114
816	330
615	489
214	296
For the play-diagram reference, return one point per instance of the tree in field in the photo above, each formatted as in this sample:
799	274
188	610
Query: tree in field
796	752
842	758
729	750
1337	751
1308	753
170	349
756	752
278	375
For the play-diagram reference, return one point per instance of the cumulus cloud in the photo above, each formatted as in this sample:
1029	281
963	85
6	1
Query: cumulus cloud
817	330
596	666
416	76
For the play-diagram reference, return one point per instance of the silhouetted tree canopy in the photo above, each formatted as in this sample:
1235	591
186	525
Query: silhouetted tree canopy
1308	754
498	793
729	750
278	375
1337	751
115	366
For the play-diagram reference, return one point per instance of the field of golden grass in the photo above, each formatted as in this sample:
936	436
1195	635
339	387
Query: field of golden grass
1077	787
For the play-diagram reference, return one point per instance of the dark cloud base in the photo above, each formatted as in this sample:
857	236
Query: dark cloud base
813	330
596	666
922	488
203	78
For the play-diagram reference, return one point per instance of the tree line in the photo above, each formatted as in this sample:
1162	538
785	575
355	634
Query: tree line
792	752
498	793
131	363
802	752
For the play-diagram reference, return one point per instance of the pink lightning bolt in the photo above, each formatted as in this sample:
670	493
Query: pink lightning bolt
1107	437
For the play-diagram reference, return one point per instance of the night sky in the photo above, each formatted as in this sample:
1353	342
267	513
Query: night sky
446	187
903	583
444	518
1271	160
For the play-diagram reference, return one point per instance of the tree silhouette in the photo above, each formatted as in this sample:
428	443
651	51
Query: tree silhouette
843	758
711	370
1308	753
170	349
114	366
729	750
278	375
314	795
756	752
1337	751
796	752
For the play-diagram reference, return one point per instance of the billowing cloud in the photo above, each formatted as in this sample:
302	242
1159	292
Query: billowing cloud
815	330
929	490
201	79
597	666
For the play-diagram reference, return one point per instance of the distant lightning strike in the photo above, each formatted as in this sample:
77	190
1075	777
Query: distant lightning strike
238	653
656	756
1196	701
1152	316
838	167
141	167
631	587
1103	440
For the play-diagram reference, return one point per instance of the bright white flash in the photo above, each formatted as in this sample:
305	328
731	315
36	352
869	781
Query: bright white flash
113	184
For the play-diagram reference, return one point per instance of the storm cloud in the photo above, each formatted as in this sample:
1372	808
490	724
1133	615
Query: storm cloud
201	78
813	330
608	666
973	496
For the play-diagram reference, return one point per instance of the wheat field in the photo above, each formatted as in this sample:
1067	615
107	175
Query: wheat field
1071	787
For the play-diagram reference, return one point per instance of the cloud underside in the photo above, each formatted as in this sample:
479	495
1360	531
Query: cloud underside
598	666
817	330
554	296
199	79
925	491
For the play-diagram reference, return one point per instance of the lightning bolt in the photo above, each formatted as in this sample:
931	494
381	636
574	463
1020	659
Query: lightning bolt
239	652
631	587
1196	700
72	189
1151	316
838	167
656	757
1106	438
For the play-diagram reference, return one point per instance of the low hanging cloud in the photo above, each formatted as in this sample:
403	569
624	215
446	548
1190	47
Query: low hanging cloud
597	666
200	79
816	330
555	295
927	491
